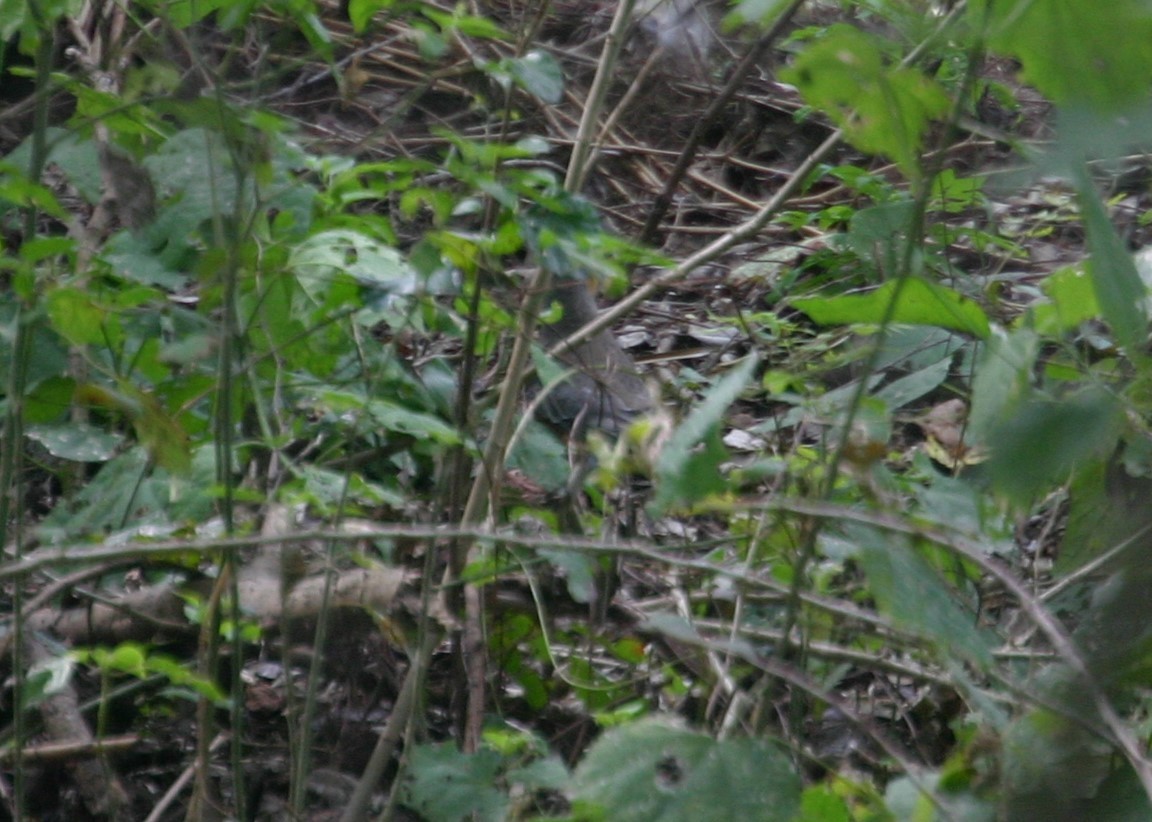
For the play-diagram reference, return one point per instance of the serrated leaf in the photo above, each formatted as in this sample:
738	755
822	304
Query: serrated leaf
918	302
445	785
656	771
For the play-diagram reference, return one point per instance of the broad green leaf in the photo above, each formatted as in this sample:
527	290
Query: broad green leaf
880	232
912	387
548	773
128	493
1051	763
1071	301
50	399
656	771
916	597
538	73
13	14
444	785
76	157
127	657
16	16
579	572
328	488
75	316
1107	507
1039	445
193	165
393	417
1003	379
76	441
883	109
541	456
909	300
688	468
1119	289
133	255
319	258
821	803
1094	54
913	347
17	191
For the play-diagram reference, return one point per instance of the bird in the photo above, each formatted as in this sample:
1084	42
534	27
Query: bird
604	391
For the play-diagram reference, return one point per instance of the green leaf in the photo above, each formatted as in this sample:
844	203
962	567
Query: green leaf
1043	441
880	232
754	11
76	157
538	73
1071	301
360	12
162	434
916	597
444	785
821	803
327	489
1050	763
1003	379
541	456
75	316
654	770
1074	52
882	109
688	468
1119	289
77	441
323	257
181	14
904	390
397	418
128	657
579	572
917	302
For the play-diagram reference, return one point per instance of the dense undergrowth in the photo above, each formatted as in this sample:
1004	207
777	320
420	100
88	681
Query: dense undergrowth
283	538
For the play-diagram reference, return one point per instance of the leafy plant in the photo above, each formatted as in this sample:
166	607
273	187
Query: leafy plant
804	594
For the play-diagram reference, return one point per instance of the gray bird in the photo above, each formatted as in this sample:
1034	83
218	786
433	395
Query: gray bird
606	392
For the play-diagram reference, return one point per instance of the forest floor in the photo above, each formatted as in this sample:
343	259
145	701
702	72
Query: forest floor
383	99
